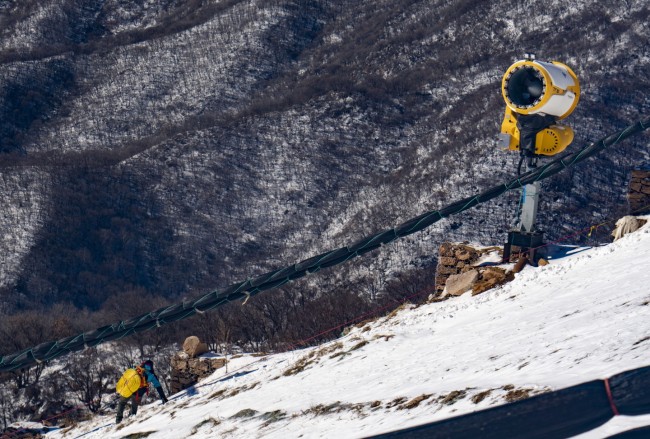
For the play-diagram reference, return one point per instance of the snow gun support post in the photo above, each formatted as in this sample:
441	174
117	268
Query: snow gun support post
537	95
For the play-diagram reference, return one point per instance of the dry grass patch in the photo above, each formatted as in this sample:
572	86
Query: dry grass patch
397	310
481	396
210	422
311	358
271	417
414	402
322	409
245	413
341	354
452	397
517	395
522	393
335	407
396	402
217	394
359	345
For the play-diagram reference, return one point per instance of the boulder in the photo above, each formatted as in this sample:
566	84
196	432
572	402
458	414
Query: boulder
625	225
491	277
454	258
193	347
458	284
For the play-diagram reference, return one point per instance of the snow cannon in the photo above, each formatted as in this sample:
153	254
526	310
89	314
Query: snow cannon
537	94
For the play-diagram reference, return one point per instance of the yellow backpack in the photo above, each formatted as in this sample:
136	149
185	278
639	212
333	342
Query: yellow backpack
129	383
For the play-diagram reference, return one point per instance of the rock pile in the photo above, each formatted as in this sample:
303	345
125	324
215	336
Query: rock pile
458	274
454	259
639	192
188	367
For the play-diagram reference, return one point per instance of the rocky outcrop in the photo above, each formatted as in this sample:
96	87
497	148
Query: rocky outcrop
188	368
627	224
454	259
490	277
458	284
193	347
458	272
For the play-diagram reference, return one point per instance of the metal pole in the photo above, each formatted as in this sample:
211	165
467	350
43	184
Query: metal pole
529	208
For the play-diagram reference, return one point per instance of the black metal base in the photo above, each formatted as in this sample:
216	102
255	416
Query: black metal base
526	242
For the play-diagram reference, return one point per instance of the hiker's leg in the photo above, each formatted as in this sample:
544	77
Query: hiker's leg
121	405
135	400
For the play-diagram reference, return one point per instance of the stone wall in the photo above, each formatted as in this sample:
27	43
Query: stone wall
458	262
639	192
188	371
454	259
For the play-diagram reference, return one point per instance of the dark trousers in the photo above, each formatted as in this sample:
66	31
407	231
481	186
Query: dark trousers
135	399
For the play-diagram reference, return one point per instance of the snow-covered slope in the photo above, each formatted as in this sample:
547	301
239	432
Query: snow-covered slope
584	316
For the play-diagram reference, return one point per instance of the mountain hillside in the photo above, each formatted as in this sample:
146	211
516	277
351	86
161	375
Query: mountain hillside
583	317
175	146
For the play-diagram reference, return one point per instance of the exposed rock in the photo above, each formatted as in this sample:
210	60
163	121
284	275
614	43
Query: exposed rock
447	270
447	260
454	259
493	273
491	277
446	249
460	283
625	225
194	347
188	371
179	361
188	368
463	254
457	273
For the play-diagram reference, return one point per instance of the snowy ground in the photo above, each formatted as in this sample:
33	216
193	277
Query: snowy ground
584	316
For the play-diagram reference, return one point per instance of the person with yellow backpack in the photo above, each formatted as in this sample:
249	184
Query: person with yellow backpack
132	386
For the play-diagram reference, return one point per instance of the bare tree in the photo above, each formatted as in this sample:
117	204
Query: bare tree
89	378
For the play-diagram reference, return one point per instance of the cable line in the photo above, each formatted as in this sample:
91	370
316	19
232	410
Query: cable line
250	287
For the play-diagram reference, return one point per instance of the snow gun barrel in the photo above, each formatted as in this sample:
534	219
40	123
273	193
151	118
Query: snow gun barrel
544	89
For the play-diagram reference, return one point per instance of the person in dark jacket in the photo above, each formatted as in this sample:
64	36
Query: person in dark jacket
147	375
